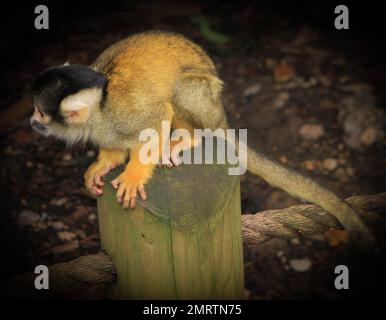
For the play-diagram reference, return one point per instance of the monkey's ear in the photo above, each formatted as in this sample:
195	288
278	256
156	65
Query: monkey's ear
77	107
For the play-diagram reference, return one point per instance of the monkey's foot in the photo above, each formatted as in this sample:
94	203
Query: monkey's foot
170	160
93	176
128	185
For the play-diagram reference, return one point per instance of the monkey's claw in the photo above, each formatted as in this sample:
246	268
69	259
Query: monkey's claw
127	190
170	160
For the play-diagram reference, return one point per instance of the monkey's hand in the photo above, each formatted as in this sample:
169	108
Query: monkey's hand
107	160
93	176
128	184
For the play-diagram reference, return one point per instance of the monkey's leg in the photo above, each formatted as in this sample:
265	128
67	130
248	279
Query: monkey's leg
138	171
107	160
171	158
197	99
133	179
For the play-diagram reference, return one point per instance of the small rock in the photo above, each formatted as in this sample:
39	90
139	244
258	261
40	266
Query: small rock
67	157
361	120
368	137
295	241
252	90
283	159
58	225
92	216
311	131
283	259
59	202
300	265
281	99
29	164
310	165
280	253
66	236
27	217
330	164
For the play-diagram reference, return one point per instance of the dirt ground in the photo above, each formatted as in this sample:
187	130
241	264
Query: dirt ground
309	97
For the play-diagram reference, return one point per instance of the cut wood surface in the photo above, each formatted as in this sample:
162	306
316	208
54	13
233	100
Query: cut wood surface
184	242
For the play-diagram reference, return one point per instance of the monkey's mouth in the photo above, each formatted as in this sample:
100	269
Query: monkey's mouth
40	128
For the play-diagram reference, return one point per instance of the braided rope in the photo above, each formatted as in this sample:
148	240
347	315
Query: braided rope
88	275
303	219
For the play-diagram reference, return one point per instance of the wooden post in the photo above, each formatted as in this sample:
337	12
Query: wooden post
184	242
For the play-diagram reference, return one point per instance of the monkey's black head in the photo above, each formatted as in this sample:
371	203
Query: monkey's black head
64	97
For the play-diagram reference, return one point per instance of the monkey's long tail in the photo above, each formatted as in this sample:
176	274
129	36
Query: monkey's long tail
307	189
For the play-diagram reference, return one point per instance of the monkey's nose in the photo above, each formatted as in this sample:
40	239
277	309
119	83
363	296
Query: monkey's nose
38	126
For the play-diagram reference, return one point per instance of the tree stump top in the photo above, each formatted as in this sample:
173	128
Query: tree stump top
188	194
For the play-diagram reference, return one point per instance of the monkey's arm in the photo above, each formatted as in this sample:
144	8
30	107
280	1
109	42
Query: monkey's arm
107	160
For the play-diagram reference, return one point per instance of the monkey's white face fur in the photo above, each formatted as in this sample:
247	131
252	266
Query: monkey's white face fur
78	110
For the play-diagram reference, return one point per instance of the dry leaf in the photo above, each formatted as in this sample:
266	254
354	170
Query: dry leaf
66	236
283	72
330	164
336	237
310	164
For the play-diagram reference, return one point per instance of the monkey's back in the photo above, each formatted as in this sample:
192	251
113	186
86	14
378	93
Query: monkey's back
150	63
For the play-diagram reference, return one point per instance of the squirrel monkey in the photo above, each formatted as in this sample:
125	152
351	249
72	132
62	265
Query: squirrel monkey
136	84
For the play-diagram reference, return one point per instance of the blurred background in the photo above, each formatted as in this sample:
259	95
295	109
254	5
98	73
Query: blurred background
310	96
